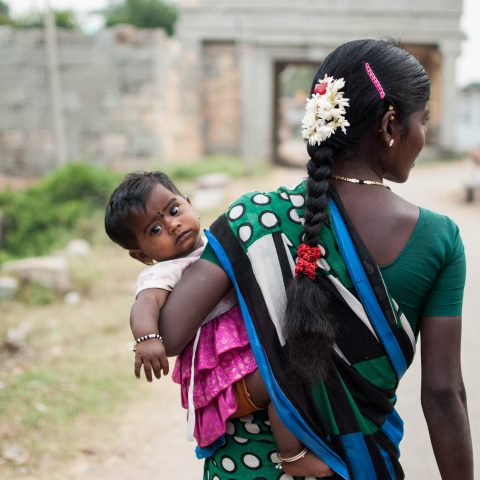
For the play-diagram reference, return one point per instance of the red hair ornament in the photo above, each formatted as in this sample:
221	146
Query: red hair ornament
320	88
307	260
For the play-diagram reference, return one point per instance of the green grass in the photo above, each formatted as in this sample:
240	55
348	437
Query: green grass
229	164
75	365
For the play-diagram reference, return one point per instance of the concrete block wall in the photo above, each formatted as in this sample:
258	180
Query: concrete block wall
118	93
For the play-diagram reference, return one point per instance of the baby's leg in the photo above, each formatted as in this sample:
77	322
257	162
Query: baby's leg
256	389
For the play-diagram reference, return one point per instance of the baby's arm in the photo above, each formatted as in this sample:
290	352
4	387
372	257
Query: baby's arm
144	321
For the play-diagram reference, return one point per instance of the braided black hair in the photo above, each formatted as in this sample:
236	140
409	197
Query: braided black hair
308	328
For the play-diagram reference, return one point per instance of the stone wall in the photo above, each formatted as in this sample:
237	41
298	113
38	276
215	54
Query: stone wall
221	99
120	91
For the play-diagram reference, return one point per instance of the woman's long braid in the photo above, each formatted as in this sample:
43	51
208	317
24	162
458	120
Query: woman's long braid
309	331
318	168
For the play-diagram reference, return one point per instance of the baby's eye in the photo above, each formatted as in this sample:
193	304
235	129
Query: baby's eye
174	210
156	229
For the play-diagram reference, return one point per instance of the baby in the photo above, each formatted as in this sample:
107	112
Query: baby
148	216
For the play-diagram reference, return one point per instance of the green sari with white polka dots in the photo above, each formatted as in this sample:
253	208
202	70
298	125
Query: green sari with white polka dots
348	421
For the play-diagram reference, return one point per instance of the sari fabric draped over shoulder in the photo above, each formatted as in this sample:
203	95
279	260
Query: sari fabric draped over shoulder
349	421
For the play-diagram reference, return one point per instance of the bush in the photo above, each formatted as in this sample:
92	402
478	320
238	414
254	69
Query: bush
4	14
189	170
4	8
35	19
143	14
45	216
65	19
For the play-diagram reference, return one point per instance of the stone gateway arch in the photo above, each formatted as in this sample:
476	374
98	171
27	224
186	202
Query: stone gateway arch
239	48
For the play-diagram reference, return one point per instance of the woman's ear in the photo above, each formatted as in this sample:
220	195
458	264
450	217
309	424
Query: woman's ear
388	127
137	254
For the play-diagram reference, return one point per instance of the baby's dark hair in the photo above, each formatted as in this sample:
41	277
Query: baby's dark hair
308	328
130	196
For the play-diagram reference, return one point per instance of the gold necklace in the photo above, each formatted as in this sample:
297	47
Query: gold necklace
360	182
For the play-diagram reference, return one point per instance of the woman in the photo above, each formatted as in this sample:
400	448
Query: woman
336	278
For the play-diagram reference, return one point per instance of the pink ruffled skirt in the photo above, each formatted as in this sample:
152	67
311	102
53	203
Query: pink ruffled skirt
222	358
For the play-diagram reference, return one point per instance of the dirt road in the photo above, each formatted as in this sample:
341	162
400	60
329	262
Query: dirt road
147	442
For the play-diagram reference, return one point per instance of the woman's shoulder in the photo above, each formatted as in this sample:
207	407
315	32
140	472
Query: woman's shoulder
439	231
438	223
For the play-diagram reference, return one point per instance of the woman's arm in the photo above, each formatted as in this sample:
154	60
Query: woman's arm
444	400
202	286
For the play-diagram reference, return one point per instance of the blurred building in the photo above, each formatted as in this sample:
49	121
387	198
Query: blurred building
259	39
223	84
468	125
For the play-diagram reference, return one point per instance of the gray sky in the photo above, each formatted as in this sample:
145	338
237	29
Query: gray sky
468	67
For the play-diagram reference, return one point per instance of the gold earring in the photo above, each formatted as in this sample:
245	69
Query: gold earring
392	141
391	118
390	107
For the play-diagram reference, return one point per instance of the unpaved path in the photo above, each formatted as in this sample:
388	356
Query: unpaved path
147	441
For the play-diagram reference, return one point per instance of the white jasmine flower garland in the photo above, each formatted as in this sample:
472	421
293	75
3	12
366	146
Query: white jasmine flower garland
325	111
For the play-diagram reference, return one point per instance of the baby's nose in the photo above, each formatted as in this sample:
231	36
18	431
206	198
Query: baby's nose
173	225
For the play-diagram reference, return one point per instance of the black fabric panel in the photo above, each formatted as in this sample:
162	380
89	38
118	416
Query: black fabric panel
377	459
342	411
282	258
384	442
370	400
351	331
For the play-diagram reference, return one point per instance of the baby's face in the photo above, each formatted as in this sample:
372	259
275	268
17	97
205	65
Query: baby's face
169	228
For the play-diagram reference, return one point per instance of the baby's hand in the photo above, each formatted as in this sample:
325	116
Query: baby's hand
152	355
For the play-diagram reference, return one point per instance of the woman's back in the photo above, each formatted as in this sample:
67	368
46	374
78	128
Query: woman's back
419	252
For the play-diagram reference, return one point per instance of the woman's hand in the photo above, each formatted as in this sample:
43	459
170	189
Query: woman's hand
308	466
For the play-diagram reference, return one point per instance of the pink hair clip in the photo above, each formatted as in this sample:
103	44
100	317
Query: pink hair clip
375	81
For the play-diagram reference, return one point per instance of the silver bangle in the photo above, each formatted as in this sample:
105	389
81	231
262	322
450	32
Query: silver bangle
296	457
146	337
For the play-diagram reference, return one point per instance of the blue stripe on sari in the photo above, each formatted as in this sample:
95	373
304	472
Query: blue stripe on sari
388	463
289	415
393	429
358	456
366	293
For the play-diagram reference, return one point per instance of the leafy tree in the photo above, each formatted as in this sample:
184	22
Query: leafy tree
143	14
65	19
4	8
62	18
4	14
